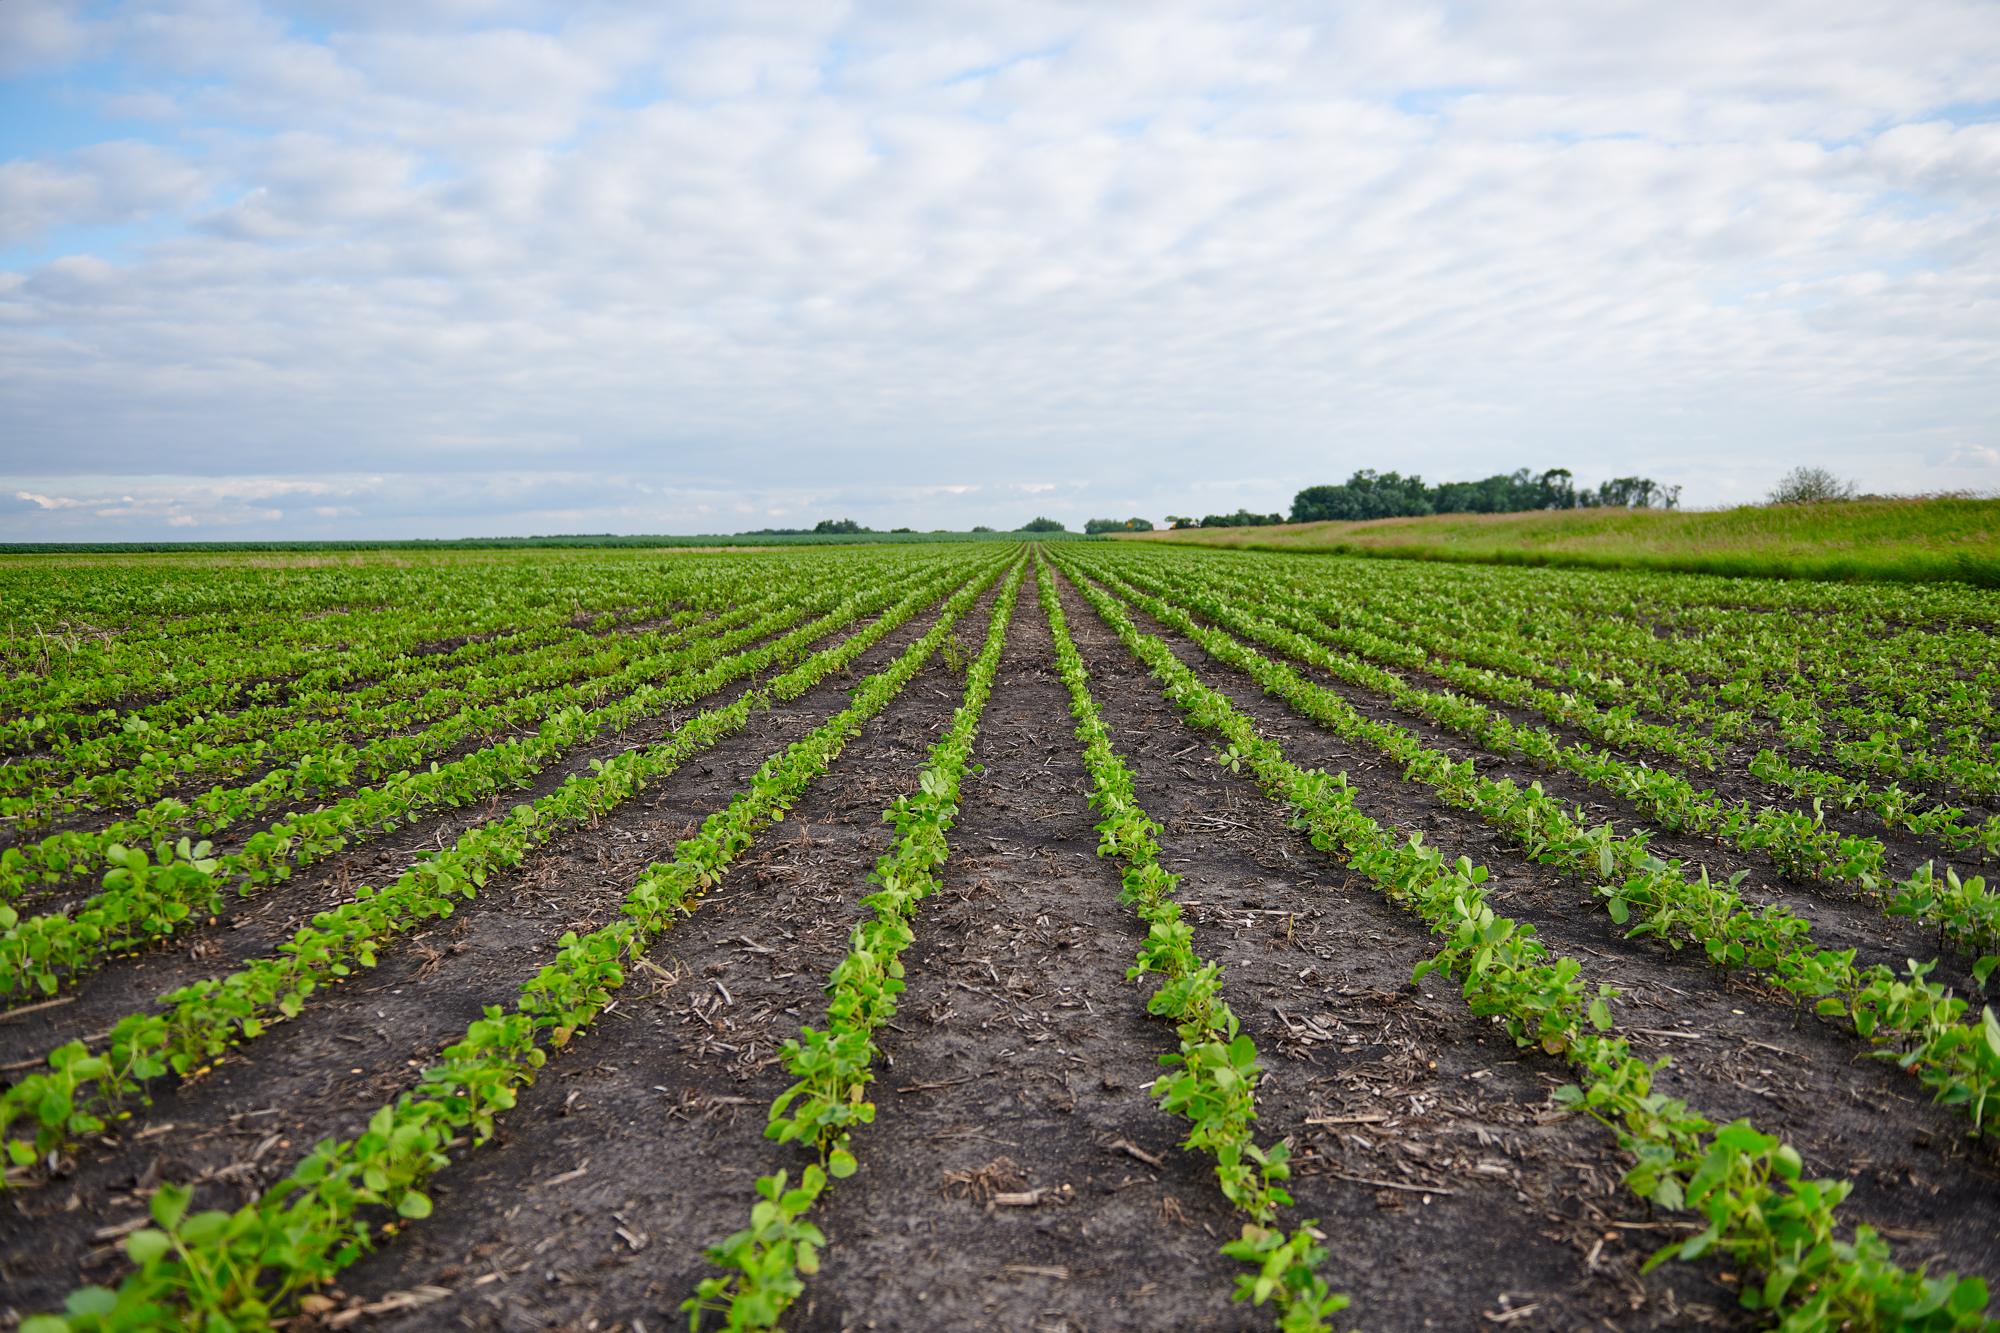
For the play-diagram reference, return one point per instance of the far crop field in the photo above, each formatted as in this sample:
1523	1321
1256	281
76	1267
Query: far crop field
1087	935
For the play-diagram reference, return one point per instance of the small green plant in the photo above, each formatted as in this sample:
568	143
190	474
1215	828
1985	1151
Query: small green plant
954	655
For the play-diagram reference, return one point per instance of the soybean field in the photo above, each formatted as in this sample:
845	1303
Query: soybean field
1070	936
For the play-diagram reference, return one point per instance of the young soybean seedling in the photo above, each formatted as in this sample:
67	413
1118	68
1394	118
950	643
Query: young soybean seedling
955	655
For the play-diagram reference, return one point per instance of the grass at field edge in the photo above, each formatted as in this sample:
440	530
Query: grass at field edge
1901	541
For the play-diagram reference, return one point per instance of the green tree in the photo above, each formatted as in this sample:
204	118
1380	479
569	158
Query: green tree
1805	485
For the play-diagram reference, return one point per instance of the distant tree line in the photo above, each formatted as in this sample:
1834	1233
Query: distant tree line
1372	494
847	527
1242	518
825	527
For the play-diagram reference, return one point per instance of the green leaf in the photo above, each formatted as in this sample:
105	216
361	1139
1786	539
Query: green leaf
169	1204
147	1245
97	1301
415	1205
205	1227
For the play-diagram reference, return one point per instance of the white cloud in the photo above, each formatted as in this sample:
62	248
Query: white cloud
40	501
1196	254
37	33
104	184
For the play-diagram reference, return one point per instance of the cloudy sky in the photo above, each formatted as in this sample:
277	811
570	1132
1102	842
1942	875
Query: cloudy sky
450	267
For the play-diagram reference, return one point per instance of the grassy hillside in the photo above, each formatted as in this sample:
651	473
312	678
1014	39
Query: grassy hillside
1904	540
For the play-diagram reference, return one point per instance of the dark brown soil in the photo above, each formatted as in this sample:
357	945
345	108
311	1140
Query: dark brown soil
1019	1063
